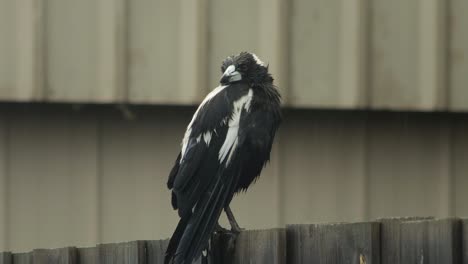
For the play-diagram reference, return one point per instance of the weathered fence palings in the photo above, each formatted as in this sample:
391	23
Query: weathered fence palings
397	240
258	246
334	243
413	240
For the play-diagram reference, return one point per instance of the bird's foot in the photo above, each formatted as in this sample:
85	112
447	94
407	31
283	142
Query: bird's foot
220	229
235	228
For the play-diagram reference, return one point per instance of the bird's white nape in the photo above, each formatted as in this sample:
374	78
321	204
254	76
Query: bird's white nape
257	60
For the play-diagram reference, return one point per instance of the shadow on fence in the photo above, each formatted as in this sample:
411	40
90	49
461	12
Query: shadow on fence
386	241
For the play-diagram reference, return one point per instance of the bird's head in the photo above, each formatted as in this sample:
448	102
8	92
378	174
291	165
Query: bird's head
245	67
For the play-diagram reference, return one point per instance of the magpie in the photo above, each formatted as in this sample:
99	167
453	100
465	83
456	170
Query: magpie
225	147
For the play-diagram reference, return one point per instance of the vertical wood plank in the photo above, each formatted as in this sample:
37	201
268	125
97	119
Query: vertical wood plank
3	182
156	250
352	50
256	246
433	88
390	238
458	54
334	243
130	252
55	256
88	255
261	246
5	258
23	258
465	240
431	241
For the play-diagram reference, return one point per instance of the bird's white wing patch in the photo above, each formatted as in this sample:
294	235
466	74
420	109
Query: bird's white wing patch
188	132
230	143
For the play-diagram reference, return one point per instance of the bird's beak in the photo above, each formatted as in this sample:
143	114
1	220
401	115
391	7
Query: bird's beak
230	75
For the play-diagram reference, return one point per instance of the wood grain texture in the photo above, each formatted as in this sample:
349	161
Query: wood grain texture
6	258
256	246
390	238
88	255
130	252
465	240
156	249
23	258
55	256
334	243
431	241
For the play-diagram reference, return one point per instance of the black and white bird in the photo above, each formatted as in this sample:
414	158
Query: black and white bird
225	147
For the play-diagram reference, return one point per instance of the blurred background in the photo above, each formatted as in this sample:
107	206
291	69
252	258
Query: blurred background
95	97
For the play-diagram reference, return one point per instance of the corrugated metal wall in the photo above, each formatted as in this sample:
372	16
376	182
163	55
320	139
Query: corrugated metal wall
80	177
342	53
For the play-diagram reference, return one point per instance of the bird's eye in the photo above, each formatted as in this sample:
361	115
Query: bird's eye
242	67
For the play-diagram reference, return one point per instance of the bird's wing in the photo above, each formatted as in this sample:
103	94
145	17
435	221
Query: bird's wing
208	143
202	179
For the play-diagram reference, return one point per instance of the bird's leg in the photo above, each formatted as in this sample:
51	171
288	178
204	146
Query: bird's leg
219	228
234	225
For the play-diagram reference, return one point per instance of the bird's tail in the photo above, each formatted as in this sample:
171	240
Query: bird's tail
175	239
192	234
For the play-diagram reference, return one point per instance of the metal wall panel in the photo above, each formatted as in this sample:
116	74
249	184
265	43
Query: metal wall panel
323	168
459	166
399	55
71	50
327	53
409	170
84	52
52	196
231	33
166	48
458	58
407	55
21	75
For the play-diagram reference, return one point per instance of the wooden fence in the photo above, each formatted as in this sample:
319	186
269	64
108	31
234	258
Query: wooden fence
386	241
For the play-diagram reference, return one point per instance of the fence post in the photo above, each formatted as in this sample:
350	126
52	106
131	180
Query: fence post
421	241
334	243
390	236
55	256
257	246
5	258
131	252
